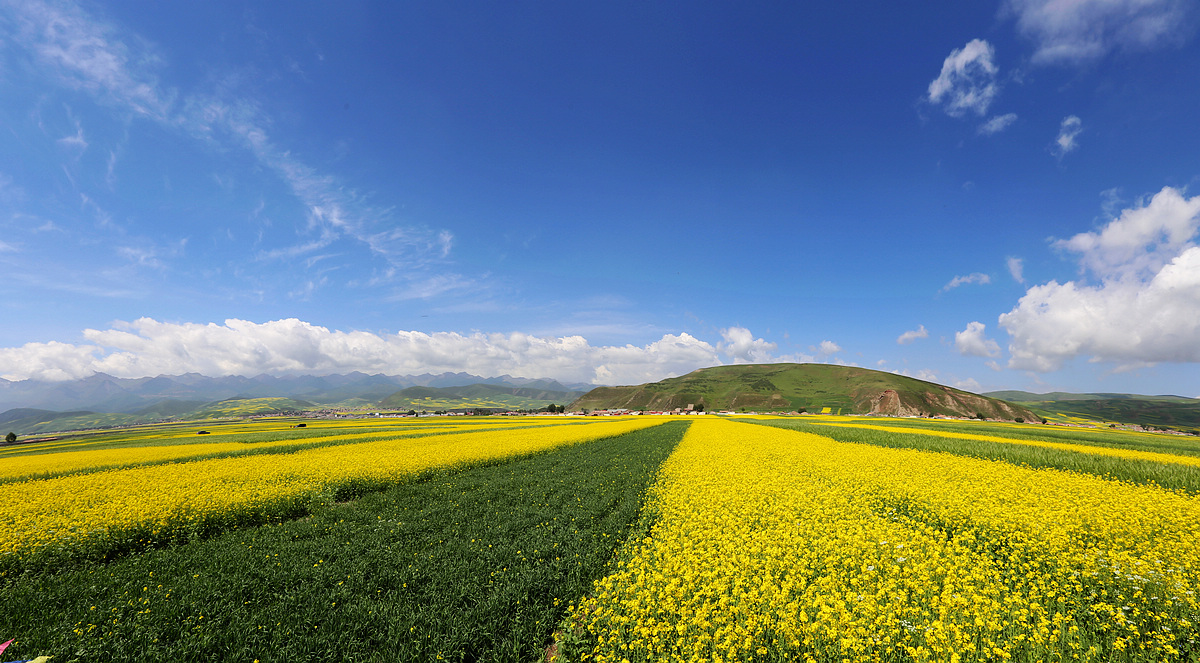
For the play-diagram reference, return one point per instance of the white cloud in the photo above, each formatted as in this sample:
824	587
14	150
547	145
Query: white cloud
976	278
1142	304
997	124
1141	240
910	336
740	345
147	347
967	81
924	374
1068	131
972	341
827	348
1016	267
969	384
1073	31
47	361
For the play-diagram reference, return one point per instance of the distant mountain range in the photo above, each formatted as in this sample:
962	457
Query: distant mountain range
803	387
31	407
105	393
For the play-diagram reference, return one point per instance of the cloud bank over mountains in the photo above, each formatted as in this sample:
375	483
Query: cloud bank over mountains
148	347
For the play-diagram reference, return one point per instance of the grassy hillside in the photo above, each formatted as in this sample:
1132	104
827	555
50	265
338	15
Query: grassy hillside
496	397
1144	412
802	387
1017	396
240	407
30	421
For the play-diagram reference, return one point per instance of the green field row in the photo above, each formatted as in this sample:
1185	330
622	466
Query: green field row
468	564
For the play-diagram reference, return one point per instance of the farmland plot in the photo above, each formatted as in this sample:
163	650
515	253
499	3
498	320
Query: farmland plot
776	545
472	562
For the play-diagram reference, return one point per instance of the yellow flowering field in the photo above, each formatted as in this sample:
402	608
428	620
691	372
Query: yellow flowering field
777	545
80	459
110	511
1132	454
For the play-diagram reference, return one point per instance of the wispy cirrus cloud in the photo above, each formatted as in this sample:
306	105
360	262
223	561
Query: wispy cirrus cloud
119	69
88	54
1081	30
977	278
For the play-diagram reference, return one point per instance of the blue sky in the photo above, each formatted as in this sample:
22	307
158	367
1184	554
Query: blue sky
988	194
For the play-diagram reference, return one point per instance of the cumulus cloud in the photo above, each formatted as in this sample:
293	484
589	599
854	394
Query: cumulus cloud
827	348
1068	32
1141	240
740	345
923	374
47	361
1136	302
997	124
967	82
147	347
976	278
973	342
1016	267
1068	131
910	336
970	384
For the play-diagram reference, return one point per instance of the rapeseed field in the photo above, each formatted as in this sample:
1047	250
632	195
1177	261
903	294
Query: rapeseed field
759	539
108	512
777	545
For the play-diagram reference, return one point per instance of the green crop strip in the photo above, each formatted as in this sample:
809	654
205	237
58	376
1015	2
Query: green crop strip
466	564
1117	439
1171	476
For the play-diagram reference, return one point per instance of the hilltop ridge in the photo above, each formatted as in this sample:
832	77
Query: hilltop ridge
803	388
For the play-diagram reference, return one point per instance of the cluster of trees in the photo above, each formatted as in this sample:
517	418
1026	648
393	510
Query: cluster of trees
11	438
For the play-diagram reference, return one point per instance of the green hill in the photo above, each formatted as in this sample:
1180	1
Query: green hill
30	421
1174	412
1017	396
489	396
240	407
802	387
